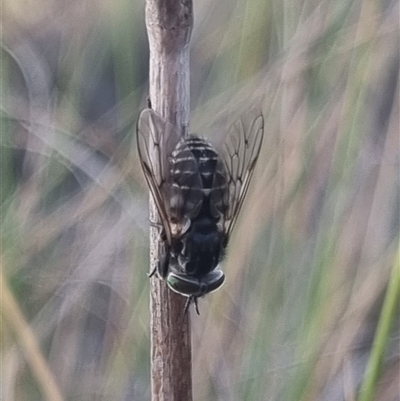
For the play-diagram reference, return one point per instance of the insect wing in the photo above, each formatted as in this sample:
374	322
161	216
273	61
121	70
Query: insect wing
156	139
220	190
241	153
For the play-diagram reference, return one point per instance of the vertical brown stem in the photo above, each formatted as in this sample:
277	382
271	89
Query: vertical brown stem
169	24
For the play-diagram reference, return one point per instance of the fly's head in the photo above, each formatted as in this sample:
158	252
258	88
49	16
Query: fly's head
193	287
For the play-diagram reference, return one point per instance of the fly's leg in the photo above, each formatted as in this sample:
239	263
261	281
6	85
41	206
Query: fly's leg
158	225
196	306
163	262
187	304
190	299
164	252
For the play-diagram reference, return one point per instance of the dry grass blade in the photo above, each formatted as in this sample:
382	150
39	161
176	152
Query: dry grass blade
28	342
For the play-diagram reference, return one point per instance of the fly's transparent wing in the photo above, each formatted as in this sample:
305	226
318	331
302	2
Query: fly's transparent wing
241	153
219	197
156	139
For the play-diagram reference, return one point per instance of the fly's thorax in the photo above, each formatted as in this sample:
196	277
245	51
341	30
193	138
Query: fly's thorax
200	250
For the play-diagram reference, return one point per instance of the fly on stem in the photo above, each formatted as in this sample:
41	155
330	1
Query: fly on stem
198	192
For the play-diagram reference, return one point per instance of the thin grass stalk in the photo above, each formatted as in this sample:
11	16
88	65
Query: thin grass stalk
29	343
387	318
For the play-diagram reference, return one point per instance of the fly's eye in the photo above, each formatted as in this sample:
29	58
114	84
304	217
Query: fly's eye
188	285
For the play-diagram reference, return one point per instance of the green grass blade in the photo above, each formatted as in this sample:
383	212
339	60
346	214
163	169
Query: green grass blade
381	340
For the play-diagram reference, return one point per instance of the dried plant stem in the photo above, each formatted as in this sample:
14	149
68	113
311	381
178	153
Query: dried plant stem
169	25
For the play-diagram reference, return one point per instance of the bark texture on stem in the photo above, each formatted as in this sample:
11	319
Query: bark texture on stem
169	24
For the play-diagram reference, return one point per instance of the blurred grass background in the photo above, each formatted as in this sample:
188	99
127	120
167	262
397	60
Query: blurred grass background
315	248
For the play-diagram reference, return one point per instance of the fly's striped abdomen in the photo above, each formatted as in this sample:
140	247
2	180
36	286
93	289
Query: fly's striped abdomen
198	179
213	174
206	157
